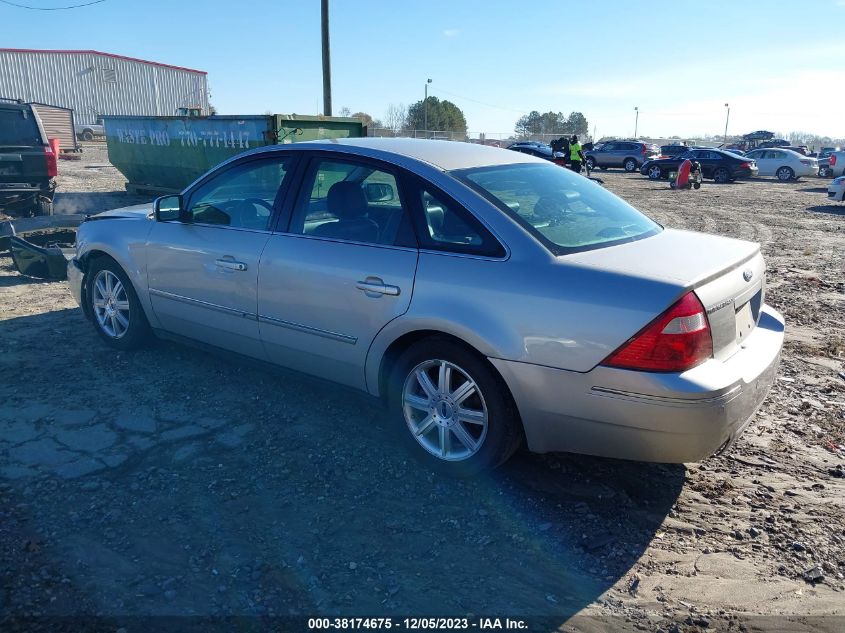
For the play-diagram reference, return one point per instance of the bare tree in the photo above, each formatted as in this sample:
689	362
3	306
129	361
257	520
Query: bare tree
395	117
344	111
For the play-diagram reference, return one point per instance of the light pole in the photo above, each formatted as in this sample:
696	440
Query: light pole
327	64
636	120
425	107
727	117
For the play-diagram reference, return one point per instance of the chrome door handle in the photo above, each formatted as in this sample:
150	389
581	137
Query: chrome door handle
377	286
231	264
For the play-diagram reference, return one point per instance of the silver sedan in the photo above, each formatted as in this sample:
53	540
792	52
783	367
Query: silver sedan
490	298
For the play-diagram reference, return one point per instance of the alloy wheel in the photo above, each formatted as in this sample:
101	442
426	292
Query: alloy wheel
654	172
110	304
445	410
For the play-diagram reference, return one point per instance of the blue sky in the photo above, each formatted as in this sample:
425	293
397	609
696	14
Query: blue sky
778	63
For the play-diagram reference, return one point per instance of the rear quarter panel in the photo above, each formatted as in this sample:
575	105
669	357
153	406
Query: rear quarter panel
559	315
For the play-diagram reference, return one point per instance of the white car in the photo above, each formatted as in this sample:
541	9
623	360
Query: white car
783	163
836	191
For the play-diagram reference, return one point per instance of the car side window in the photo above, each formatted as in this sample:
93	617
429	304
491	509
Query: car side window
607	147
350	201
240	197
447	226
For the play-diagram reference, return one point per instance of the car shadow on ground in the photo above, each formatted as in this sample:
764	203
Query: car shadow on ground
171	482
814	190
833	209
70	202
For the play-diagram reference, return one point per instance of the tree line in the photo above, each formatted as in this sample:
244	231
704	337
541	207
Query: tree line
442	115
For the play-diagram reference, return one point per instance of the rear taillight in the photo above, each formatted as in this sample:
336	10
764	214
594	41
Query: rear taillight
806	162
644	150
744	166
832	160
677	340
52	165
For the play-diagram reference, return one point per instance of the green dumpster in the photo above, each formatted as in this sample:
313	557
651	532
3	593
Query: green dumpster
166	154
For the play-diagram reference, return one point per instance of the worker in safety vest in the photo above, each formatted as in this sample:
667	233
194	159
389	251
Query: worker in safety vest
576	156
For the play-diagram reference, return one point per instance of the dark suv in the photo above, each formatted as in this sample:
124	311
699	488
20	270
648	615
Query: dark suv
629	155
28	166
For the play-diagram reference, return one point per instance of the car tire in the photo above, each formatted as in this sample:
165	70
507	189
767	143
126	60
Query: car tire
785	174
428	414
721	175
630	165
590	163
655	173
114	307
87	135
44	207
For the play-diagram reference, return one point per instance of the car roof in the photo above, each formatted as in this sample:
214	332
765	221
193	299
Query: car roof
444	155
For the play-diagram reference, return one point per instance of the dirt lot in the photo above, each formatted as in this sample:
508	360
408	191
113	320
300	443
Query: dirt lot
171	482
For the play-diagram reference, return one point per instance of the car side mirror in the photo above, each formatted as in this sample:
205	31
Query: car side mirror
169	209
379	192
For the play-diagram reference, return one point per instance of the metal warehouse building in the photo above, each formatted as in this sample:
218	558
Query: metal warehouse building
94	84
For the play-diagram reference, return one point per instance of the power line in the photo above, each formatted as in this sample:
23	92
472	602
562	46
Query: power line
73	6
489	105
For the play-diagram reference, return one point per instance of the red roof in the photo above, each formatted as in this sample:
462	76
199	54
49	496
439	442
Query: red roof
131	59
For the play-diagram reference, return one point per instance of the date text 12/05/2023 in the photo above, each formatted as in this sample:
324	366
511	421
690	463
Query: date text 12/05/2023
413	624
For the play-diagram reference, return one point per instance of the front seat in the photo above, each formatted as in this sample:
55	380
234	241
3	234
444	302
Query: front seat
347	202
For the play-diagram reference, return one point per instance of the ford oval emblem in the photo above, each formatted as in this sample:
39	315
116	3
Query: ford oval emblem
747	274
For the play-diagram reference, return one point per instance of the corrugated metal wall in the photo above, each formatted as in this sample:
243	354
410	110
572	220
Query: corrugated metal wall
57	123
92	84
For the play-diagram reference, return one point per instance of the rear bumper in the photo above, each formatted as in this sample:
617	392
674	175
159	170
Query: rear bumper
747	173
22	196
672	418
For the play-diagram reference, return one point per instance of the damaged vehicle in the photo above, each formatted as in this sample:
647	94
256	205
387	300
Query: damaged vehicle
489	297
28	166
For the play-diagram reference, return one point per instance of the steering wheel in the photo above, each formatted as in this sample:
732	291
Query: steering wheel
245	212
260	202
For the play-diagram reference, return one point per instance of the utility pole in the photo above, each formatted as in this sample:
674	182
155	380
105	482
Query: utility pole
636	120
327	63
727	117
425	107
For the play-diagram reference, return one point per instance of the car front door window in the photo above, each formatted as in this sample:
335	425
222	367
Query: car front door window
240	197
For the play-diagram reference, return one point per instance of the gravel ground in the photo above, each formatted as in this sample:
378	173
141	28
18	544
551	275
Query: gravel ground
172	482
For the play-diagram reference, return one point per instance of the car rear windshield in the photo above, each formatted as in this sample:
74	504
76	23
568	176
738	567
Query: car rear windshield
18	127
563	210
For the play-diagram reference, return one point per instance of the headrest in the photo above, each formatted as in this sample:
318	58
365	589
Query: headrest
346	200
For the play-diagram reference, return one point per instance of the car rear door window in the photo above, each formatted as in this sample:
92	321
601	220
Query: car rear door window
445	225
240	197
351	201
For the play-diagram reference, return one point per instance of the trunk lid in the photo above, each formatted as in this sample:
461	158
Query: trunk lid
728	276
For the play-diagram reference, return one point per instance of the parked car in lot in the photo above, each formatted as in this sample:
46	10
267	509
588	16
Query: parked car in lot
824	161
487	296
28	166
88	131
836	164
629	155
836	190
784	163
720	165
540	150
670	151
